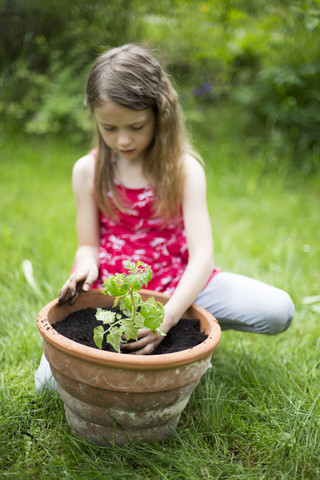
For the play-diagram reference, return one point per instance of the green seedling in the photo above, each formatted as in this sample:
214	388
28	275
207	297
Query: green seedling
135	313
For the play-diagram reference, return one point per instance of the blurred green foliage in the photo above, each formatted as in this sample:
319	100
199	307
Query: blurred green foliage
45	52
262	55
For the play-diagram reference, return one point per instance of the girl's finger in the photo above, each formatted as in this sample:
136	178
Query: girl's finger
69	292
91	278
143	332
65	294
148	348
137	344
74	297
153	339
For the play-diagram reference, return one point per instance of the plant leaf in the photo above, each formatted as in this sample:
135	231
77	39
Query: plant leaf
153	313
126	305
135	281
115	338
98	334
131	266
139	320
130	330
139	275
105	316
161	332
116	301
116	285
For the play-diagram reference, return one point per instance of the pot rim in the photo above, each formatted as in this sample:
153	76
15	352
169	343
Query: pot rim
130	361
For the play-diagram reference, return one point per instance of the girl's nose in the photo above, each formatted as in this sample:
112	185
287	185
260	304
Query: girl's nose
123	139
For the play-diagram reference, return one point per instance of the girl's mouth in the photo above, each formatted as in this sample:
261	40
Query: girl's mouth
126	152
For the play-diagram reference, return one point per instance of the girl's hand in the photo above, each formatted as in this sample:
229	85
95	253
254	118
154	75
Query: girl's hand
148	340
80	280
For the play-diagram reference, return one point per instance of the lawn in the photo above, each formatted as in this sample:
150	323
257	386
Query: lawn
255	414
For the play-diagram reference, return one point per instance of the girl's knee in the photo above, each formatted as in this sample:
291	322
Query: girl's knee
280	314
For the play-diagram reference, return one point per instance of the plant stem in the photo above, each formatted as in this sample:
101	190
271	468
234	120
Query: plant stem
134	308
114	324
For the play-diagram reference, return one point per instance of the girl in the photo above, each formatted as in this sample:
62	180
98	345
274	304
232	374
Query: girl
141	194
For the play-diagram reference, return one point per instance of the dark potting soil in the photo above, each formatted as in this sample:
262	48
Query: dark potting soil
78	326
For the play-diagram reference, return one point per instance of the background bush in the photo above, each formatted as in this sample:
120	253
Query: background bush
45	54
261	55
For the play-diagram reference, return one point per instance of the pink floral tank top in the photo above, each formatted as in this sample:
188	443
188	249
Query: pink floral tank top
137	235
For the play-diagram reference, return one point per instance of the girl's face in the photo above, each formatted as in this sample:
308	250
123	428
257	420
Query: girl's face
127	132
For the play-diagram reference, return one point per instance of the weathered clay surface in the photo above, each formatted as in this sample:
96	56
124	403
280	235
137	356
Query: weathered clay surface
116	398
99	435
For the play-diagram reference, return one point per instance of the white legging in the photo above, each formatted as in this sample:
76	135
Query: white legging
242	303
237	302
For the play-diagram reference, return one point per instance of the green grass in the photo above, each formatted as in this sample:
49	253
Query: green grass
255	414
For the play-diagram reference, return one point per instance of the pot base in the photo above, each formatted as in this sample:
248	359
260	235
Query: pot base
102	435
126	416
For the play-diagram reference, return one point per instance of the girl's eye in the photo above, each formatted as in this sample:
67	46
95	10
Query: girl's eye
138	128
109	129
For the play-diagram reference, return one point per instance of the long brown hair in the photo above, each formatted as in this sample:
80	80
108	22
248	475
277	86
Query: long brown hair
131	77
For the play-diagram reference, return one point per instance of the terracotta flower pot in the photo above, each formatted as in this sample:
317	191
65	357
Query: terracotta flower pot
120	397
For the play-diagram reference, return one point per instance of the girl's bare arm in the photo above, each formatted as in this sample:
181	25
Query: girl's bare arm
86	269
